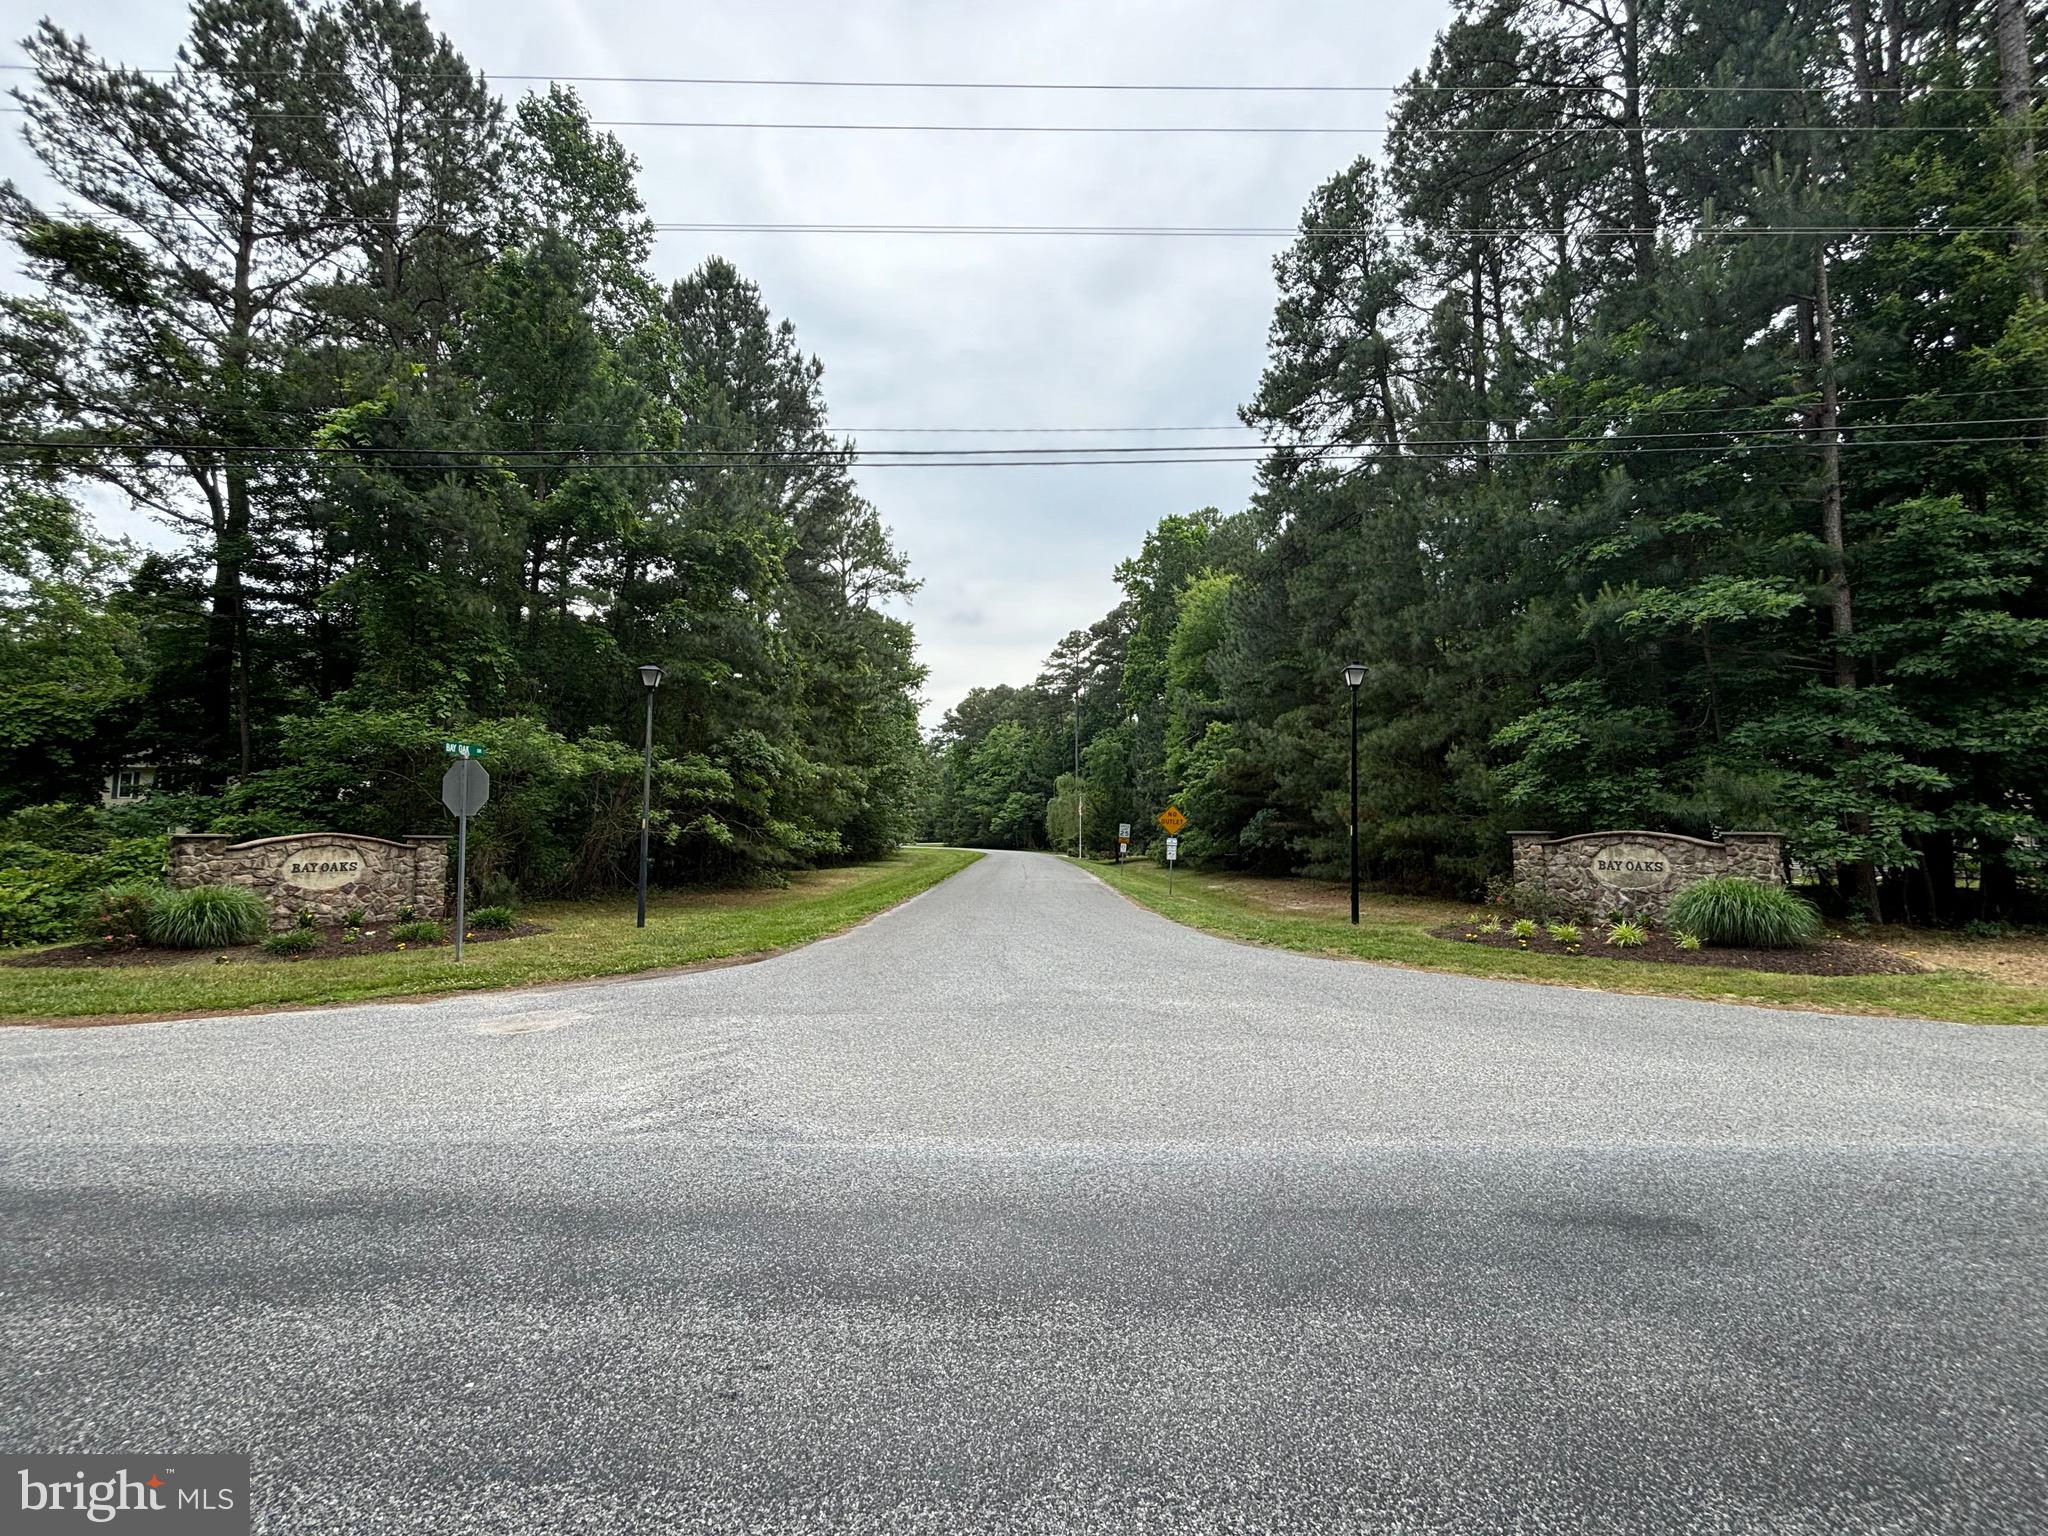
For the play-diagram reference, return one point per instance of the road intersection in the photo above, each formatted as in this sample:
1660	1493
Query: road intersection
1022	1209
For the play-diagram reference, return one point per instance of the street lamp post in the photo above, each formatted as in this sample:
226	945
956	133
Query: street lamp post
1133	757
650	679
1077	773
1353	676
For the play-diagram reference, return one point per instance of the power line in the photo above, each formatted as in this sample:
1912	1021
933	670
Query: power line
1341	232
451	460
1849	403
1659	130
1192	87
1250	231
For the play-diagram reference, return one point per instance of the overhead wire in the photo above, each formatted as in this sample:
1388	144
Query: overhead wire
1192	87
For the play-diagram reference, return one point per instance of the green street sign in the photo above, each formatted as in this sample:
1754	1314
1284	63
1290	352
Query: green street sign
462	749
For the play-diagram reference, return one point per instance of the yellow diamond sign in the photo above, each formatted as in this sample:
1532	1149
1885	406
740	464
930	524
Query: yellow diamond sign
1172	821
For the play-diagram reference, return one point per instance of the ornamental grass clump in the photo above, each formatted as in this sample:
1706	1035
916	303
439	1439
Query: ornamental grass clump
1627	935
206	917
293	941
1524	928
1745	914
417	932
1564	933
497	918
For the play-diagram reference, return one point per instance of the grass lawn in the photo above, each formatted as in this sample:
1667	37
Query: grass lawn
1314	916
586	939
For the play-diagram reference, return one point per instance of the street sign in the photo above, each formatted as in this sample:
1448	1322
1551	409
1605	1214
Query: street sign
465	790
465	787
1123	831
1171	821
462	749
1172	849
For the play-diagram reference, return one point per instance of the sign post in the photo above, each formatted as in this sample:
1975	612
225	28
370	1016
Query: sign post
1123	840
465	790
1172	823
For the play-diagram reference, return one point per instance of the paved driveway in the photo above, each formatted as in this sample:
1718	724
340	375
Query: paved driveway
1020	1209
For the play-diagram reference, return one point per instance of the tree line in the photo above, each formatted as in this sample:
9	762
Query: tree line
1662	422
444	459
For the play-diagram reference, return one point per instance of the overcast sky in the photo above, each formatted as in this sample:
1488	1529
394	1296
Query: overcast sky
959	330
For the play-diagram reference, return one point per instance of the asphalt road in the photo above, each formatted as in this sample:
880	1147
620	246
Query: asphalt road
1021	1209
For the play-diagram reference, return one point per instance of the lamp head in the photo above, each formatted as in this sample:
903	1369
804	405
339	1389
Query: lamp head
1354	675
650	677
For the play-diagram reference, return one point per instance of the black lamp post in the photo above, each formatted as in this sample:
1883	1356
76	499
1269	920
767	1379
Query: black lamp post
1133	757
650	679
1353	676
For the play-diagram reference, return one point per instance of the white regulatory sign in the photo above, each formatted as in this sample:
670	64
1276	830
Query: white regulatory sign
1172	849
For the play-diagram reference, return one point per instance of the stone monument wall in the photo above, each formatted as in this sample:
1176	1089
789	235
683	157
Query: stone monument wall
1598	872
329	872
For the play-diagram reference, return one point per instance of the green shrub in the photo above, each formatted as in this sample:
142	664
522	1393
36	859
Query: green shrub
1984	928
1490	925
491	917
1689	942
1523	928
497	889
39	904
355	917
293	941
417	933
119	914
306	918
1627	935
45	892
1529	900
206	917
1564	933
1745	914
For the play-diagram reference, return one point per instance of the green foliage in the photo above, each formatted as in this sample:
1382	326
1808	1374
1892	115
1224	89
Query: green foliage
355	917
1565	500
1564	933
118	914
293	941
1627	935
1523	928
497	527
418	932
45	891
1745	914
492	917
1689	942
206	917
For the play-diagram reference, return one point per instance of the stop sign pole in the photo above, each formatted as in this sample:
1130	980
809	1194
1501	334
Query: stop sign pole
465	790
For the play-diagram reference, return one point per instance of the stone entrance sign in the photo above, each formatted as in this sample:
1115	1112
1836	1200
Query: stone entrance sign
329	872
1595	872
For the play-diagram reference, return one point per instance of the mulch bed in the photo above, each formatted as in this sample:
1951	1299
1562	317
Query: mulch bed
1831	957
373	942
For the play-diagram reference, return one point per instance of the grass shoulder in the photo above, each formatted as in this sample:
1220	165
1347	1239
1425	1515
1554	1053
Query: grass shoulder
584	940
1313	916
